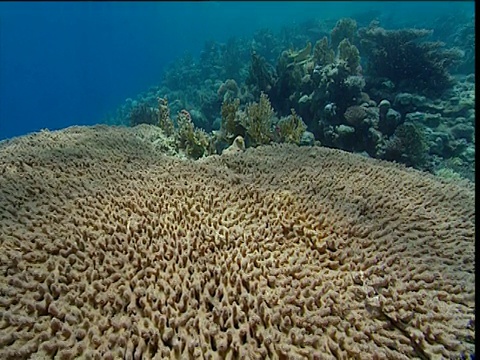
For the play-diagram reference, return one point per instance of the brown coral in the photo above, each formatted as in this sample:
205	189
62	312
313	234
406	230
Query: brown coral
290	128
110	249
194	141
257	120
354	115
344	29
323	54
164	121
230	122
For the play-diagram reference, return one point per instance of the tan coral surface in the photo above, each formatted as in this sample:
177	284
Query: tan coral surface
111	250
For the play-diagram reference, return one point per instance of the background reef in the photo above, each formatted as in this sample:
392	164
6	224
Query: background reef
402	94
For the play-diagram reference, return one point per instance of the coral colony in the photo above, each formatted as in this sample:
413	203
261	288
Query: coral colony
112	249
229	222
388	94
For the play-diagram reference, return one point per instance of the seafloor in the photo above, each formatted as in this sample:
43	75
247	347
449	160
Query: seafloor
111	249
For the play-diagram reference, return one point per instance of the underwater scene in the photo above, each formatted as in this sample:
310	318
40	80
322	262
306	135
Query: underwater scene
237	180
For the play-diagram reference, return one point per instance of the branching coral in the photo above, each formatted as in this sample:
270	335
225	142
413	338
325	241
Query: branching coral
194	141
228	90
403	58
258	121
164	121
344	29
290	128
230	123
322	53
142	114
261	75
350	54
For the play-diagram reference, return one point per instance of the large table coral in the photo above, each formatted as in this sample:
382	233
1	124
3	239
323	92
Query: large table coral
110	249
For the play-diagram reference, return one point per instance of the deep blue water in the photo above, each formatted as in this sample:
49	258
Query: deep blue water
66	63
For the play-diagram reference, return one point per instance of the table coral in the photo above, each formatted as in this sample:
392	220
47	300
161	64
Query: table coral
110	249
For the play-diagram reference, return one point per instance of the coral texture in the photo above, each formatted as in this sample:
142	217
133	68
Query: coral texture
344	29
110	249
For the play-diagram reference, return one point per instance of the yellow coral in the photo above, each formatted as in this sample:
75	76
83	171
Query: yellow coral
194	141
164	121
291	128
322	54
303	54
350	54
258	121
229	117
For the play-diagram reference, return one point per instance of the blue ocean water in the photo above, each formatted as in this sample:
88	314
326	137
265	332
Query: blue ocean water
67	63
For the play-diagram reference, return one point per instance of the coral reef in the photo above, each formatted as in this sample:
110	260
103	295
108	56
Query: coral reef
323	54
290	129
403	58
261	75
258	124
350	54
354	115
231	126
457	29
408	145
257	119
237	146
194	141
300	55
345	29
142	114
228	90
164	121
352	85
274	252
